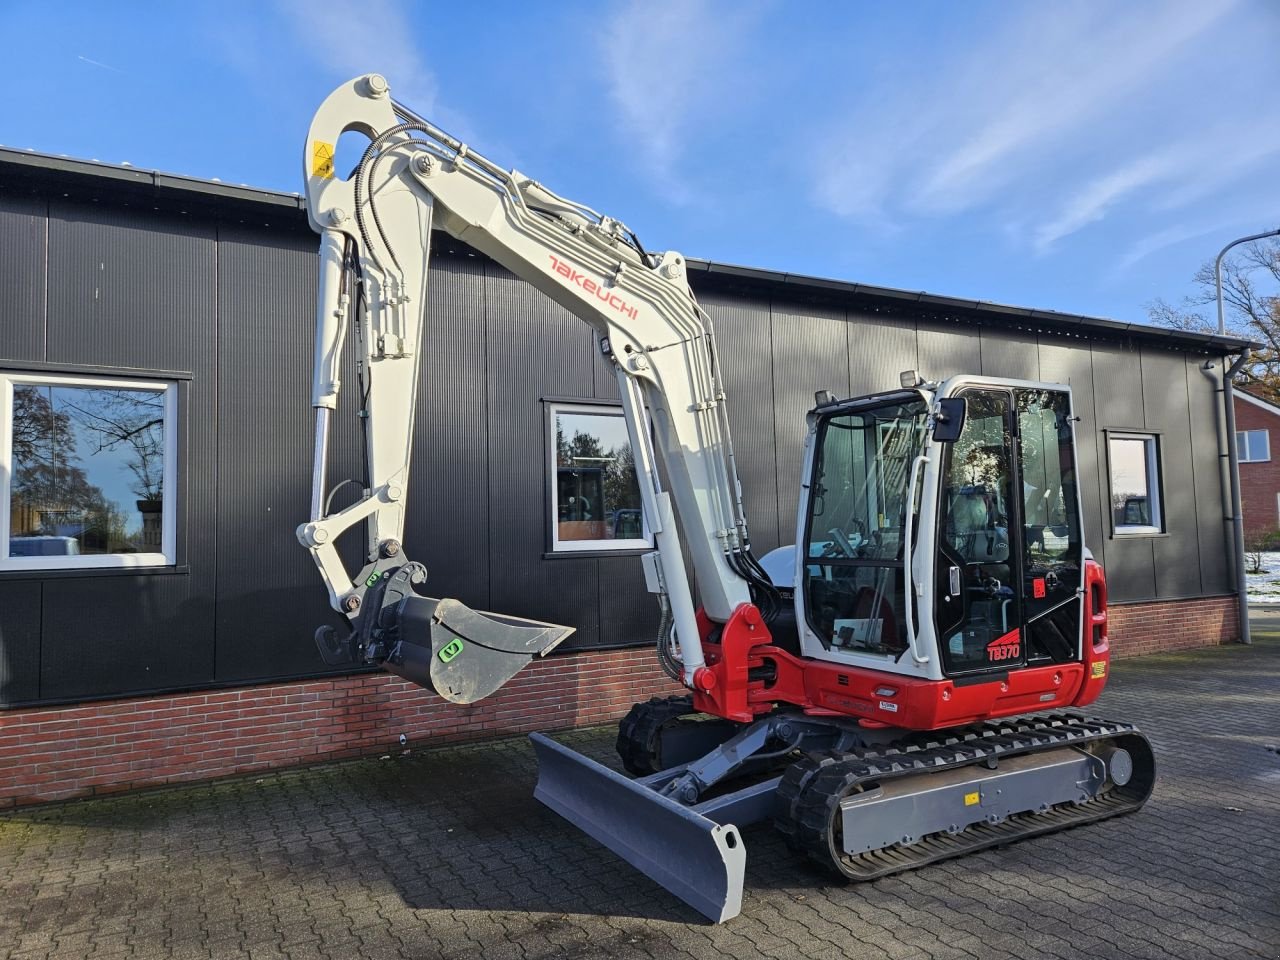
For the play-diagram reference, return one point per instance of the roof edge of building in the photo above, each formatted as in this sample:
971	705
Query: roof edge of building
39	165
1245	395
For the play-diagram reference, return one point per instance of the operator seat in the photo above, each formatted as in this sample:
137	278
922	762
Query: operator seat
975	535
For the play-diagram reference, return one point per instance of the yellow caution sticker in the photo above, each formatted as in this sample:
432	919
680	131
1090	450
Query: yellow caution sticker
971	799
1100	669
321	159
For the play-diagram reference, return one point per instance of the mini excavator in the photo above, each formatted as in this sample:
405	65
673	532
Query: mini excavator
892	695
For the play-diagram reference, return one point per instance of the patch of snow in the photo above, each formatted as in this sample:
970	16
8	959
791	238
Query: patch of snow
1264	586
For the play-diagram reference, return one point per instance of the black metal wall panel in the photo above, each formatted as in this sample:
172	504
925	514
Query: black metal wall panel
810	353
880	348
234	306
536	349
1117	395
743	334
136	291
1117	387
1164	395
104	636
948	350
447	526
24	226
1072	364
270	597
628	612
131	290
1131	569
1009	355
19	642
1213	505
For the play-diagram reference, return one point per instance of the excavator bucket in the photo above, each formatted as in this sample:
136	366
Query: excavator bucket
462	654
700	861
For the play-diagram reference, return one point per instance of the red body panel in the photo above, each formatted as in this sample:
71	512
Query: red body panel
725	688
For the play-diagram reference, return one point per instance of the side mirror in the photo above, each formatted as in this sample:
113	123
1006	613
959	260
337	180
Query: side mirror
948	421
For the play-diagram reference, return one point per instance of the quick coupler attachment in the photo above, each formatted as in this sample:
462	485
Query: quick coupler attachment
462	654
443	645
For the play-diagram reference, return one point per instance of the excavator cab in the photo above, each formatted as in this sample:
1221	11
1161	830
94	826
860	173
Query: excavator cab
967	492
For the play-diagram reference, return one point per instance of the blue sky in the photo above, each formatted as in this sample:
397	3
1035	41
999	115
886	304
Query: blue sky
1082	156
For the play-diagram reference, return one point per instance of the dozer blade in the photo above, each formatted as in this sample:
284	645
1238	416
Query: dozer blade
697	859
462	654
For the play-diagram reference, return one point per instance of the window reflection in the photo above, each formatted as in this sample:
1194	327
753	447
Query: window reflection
1135	488
87	471
597	497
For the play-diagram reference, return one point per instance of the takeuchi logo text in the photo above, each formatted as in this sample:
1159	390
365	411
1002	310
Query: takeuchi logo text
593	287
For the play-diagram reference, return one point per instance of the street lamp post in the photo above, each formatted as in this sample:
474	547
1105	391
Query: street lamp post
1233	459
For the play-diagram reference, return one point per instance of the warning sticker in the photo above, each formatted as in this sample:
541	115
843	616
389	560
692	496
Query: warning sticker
321	159
971	799
1100	669
1037	588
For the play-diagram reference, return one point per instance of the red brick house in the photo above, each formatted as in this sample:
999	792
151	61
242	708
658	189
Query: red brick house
1257	423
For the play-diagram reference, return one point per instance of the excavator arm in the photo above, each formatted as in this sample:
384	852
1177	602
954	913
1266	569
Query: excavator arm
375	227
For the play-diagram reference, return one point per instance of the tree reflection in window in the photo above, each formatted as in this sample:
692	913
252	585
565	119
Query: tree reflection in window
597	497
87	470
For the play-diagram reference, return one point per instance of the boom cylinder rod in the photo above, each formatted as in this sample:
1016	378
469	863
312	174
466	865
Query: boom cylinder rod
657	507
331	325
320	464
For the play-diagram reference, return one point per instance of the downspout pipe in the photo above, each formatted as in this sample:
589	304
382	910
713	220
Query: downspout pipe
1237	512
1233	461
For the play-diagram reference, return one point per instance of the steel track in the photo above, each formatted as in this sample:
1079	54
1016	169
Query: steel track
811	790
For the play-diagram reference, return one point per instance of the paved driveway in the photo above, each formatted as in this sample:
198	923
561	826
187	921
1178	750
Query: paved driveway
445	854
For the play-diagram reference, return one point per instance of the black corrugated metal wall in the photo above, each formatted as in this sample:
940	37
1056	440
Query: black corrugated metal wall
227	303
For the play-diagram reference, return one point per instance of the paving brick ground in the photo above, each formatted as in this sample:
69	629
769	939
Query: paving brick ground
445	854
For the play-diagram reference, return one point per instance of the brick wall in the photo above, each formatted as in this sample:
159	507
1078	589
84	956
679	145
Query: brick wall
1259	482
1137	629
53	753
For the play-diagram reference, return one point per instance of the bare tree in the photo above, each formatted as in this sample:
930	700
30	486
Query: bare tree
133	419
47	476
1251	297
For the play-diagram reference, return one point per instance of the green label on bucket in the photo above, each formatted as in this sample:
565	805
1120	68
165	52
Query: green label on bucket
450	650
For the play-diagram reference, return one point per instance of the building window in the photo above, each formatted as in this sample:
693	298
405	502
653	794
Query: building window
1135	483
595	498
87	472
1253	446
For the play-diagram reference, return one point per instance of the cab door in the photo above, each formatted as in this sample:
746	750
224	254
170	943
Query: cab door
1052	544
978	567
1009	564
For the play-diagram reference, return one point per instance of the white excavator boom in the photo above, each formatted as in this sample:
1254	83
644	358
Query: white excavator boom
375	228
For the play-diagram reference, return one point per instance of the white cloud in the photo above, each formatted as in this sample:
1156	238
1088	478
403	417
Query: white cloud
373	36
1219	224
669	64
1091	203
1227	156
966	132
1157	241
1068	67
1214	159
